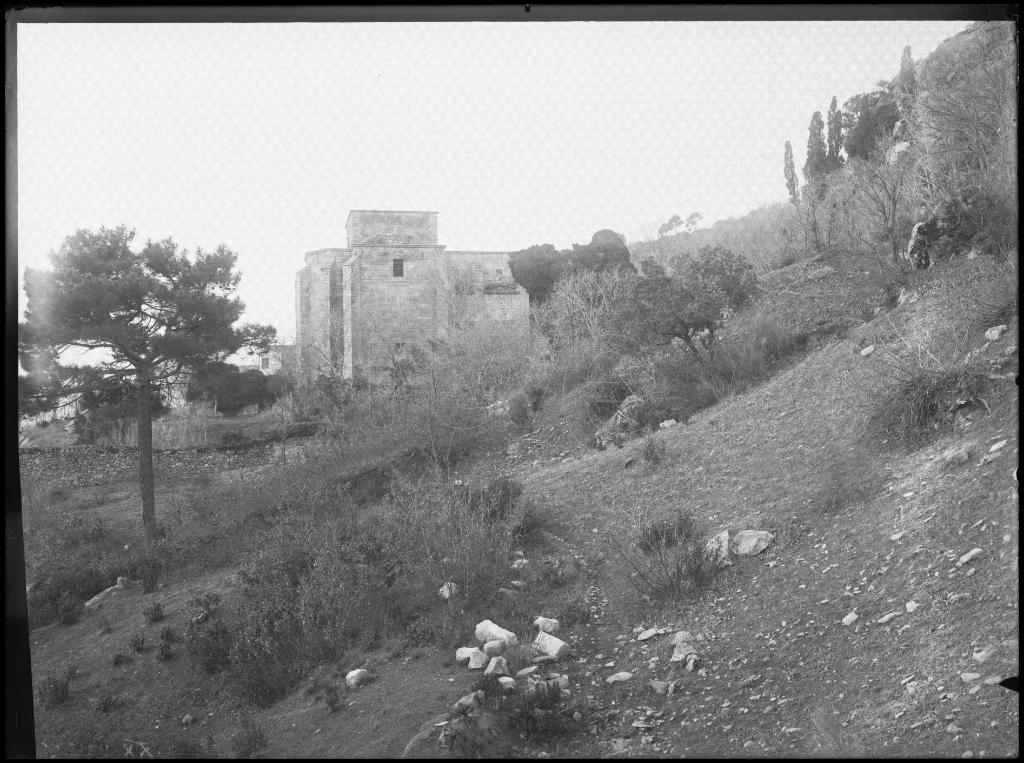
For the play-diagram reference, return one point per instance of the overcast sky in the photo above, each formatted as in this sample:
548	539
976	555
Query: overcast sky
263	136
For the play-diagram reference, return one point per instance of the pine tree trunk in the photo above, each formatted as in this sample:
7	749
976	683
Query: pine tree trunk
146	486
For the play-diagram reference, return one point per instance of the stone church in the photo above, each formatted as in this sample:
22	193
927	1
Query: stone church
358	309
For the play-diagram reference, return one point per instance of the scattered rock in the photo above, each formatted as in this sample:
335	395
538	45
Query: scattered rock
911	606
968	677
447	590
886	618
617	678
981	655
992	680
528	671
464	653
478	660
867	351
750	542
518	564
957	456
851	618
558	681
970	555
358	677
667	423
681	648
550	646
692	662
507	683
188	719
660	687
995	332
546	624
498	666
488	631
651	633
468	702
494	648
98	600
998	446
718	549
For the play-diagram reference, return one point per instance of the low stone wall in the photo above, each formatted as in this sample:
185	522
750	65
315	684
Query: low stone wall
80	465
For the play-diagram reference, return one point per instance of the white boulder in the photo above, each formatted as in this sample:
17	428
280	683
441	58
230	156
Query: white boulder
620	677
357	678
750	542
507	683
550	646
497	667
488	631
546	624
494	648
464	653
718	549
478	660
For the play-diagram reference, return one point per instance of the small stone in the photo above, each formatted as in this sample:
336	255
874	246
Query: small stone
992	680
718	549
357	678
953	729
616	678
468	702
886	618
851	618
969	556
974	689
998	446
968	677
528	671
464	653
897	536
188	719
507	683
867	351
660	687
981	655
447	590
911	606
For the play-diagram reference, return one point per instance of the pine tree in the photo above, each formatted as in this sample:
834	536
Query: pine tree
835	136
816	166
792	183
906	85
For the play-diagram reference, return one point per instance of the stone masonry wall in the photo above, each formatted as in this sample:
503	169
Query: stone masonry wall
81	465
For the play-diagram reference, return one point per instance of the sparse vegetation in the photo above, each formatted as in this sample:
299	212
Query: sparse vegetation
250	740
652	449
668	559
154	612
55	690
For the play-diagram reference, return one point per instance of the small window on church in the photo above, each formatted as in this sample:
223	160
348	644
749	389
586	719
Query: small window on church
265	364
398	268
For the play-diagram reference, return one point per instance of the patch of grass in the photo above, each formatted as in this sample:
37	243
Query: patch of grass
55	690
169	635
250	740
573	613
137	642
154	612
668	559
210	642
69	609
652	449
108	703
104	624
541	716
120	658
